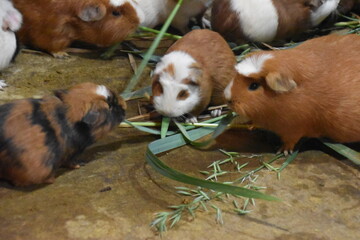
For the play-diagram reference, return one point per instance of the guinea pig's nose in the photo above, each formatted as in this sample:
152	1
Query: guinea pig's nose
229	102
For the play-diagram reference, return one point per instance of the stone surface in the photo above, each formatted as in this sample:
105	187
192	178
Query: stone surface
115	195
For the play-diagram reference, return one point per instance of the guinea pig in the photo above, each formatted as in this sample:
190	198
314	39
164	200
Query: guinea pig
37	136
10	22
267	20
157	11
53	25
193	74
312	90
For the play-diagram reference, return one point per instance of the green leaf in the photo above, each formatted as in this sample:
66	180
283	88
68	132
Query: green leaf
224	122
137	94
176	37
148	130
174	141
347	152
288	160
165	126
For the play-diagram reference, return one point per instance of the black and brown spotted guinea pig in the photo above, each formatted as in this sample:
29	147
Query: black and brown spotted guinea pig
37	136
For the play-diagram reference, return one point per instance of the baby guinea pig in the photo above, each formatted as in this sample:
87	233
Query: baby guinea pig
312	90
53	25
267	20
193	74
157	11
37	136
10	22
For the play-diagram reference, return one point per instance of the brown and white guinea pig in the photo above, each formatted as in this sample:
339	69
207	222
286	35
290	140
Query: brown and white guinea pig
37	136
10	22
267	20
157	11
53	25
312	90
193	74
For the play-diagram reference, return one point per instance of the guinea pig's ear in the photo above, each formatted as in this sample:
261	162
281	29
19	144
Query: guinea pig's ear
195	72
280	83
92	13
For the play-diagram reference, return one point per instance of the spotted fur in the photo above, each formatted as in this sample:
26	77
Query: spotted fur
37	136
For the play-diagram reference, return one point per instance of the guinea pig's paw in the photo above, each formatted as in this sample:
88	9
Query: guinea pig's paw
216	112
61	55
285	152
191	119
205	23
50	179
71	165
12	21
2	84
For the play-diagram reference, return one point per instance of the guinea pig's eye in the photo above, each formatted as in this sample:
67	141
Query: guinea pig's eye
253	86
183	94
116	13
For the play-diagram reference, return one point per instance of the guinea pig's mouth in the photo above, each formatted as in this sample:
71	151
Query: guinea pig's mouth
242	118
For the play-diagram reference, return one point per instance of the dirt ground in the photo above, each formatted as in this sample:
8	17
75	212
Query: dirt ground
115	195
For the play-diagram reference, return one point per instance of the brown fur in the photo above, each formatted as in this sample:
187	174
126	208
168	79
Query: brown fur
53	25
226	22
214	64
39	136
346	6
324	102
294	18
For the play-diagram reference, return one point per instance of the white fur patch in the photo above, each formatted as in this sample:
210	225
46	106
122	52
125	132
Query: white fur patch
117	3
180	60
258	18
140	13
227	91
10	20
102	91
323	11
10	17
167	103
252	64
7	47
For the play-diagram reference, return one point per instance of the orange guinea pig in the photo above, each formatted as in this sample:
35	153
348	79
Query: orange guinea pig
312	90
37	136
53	25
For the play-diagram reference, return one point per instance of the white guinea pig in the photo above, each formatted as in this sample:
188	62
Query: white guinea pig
10	22
157	11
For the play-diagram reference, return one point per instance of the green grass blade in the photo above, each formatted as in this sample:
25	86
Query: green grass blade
177	140
148	130
347	152
224	122
176	37
137	94
165	126
134	80
110	51
290	158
